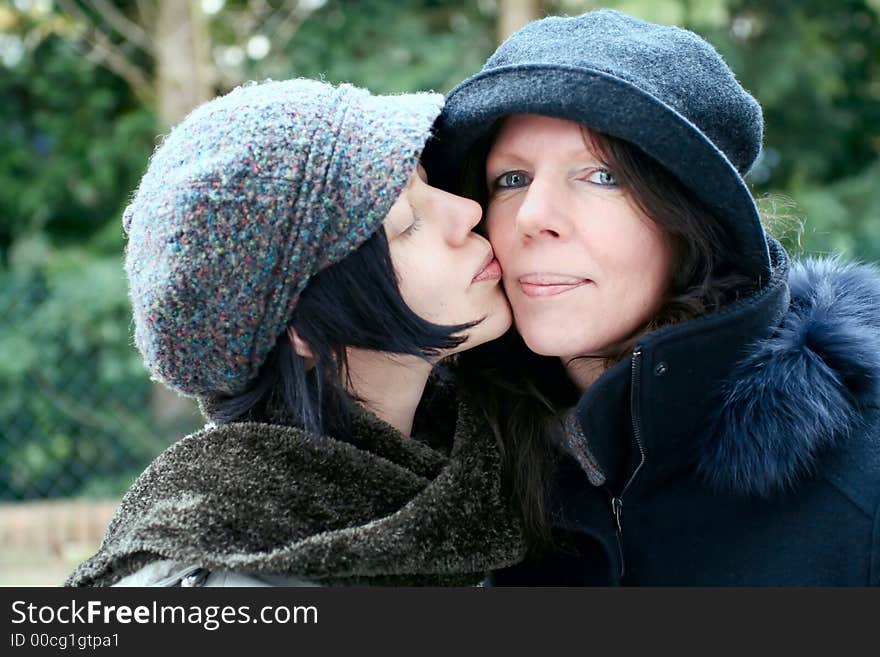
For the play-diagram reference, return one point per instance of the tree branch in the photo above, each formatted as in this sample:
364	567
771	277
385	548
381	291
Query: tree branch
147	12
282	35
72	9
117	62
126	28
105	53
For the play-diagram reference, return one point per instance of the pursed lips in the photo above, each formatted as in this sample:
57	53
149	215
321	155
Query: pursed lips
490	269
549	285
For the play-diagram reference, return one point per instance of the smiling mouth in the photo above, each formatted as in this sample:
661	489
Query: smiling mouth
547	285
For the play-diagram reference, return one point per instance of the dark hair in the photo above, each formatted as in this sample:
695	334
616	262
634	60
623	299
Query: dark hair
525	394
353	303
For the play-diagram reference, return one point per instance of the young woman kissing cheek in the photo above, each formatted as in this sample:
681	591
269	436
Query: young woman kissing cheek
447	273
584	268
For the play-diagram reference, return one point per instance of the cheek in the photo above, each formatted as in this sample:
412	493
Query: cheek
657	254
415	279
630	243
648	266
501	234
427	286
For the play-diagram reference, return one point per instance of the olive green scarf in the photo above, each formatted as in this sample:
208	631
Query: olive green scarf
270	499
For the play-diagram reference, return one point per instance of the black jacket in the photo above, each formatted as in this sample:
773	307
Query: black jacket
739	448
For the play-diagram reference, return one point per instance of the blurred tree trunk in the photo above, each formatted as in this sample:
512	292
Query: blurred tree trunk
513	14
184	78
175	37
184	72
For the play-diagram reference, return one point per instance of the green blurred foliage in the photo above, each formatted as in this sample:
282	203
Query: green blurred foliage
815	67
409	45
76	138
392	47
74	144
72	408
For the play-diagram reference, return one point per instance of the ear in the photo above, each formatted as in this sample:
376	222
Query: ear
300	346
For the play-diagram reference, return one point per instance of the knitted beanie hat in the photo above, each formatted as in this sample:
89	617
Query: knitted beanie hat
251	195
662	88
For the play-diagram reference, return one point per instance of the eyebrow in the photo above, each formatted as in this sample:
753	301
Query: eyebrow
507	157
514	158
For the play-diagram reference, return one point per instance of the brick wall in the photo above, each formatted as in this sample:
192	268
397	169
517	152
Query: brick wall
42	541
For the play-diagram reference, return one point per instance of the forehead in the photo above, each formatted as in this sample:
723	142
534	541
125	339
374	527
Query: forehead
520	134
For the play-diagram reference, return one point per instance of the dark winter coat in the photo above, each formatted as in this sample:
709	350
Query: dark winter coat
265	502
739	448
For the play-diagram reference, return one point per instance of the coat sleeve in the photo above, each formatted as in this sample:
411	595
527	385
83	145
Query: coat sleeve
162	572
169	573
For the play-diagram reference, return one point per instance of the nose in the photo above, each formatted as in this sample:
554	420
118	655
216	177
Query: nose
464	215
540	214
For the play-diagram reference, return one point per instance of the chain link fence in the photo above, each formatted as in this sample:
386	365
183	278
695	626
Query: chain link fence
78	412
79	417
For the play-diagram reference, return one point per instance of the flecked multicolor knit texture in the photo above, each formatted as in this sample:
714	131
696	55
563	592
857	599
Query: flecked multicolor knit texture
251	195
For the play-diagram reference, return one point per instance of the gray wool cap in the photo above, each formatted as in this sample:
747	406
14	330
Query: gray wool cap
244	201
663	88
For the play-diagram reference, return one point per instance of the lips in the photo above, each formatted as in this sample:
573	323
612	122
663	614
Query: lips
549	285
490	270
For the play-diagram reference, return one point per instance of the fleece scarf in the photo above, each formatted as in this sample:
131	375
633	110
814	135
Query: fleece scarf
270	499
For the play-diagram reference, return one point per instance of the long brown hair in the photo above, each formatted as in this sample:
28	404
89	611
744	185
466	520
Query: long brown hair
525	395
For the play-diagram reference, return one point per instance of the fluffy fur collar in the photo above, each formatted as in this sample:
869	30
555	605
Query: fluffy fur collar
271	499
803	389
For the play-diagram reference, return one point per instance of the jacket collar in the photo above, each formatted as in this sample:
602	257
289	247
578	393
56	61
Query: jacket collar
750	395
275	500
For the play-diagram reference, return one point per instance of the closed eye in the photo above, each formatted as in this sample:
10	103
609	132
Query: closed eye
414	226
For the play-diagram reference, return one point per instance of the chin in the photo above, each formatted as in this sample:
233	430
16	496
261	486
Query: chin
495	324
500	314
550	343
492	328
542	348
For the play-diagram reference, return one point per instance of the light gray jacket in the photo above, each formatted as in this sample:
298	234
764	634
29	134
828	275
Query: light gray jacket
166	572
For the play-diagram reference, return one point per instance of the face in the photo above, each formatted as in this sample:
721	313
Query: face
584	268
447	273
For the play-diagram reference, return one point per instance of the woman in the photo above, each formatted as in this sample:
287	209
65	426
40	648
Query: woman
290	266
678	405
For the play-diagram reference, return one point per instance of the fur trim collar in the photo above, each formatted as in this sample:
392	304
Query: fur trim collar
803	389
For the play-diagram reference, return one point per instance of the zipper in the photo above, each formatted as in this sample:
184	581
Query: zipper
617	501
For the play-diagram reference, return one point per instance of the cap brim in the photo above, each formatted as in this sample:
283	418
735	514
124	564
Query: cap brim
612	106
385	138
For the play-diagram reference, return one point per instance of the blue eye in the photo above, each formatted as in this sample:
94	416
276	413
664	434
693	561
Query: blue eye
511	180
603	177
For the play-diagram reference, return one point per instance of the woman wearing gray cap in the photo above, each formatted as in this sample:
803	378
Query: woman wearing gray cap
680	405
290	266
